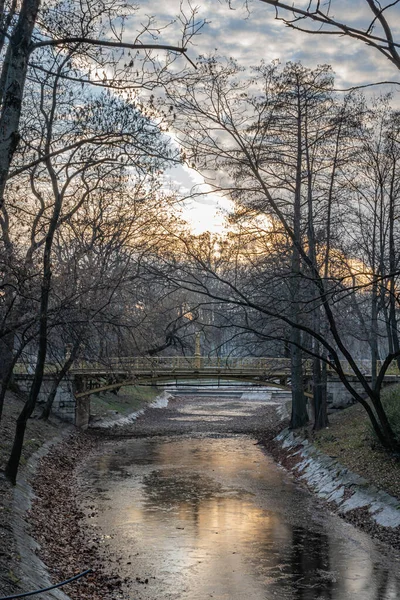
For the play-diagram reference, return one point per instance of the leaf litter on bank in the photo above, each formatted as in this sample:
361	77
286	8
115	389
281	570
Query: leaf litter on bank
56	522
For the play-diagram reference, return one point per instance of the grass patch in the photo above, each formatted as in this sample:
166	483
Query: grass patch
391	402
350	440
129	399
37	432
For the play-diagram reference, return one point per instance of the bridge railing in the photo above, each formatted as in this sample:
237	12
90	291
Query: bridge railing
189	363
268	364
168	364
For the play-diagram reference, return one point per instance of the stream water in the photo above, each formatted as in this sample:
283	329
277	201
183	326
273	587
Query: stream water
202	516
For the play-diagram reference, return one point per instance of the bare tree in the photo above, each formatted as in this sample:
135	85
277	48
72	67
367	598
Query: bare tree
320	18
235	133
373	186
93	36
89	152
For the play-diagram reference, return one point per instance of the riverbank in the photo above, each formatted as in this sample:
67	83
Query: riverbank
65	546
350	440
39	434
114	406
346	465
58	523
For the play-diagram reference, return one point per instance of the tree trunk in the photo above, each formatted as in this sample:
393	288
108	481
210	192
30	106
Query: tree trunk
12	84
299	416
320	395
374	334
392	283
13	462
7	378
320	408
60	376
6	354
390	440
324	392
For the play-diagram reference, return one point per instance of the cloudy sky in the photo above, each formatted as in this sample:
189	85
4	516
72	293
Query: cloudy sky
252	36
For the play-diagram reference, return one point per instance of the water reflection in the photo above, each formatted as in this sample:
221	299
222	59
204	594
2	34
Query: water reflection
215	518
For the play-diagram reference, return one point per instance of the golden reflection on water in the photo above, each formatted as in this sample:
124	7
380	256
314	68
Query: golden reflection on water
214	518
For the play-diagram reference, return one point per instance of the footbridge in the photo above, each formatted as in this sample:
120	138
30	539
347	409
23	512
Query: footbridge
117	372
91	377
114	373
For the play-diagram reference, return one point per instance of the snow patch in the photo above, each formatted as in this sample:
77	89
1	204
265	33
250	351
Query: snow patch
333	482
117	421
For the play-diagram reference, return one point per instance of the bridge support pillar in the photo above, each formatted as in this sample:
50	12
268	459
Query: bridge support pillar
82	405
82	412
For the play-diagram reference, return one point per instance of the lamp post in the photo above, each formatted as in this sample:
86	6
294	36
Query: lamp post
197	351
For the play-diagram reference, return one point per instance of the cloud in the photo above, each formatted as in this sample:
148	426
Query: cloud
251	37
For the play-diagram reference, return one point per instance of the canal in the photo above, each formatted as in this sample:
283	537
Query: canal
210	515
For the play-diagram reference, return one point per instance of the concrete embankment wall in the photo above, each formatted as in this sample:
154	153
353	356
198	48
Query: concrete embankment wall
335	483
64	403
32	572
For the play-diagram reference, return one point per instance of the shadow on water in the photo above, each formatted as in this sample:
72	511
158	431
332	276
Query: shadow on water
215	518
